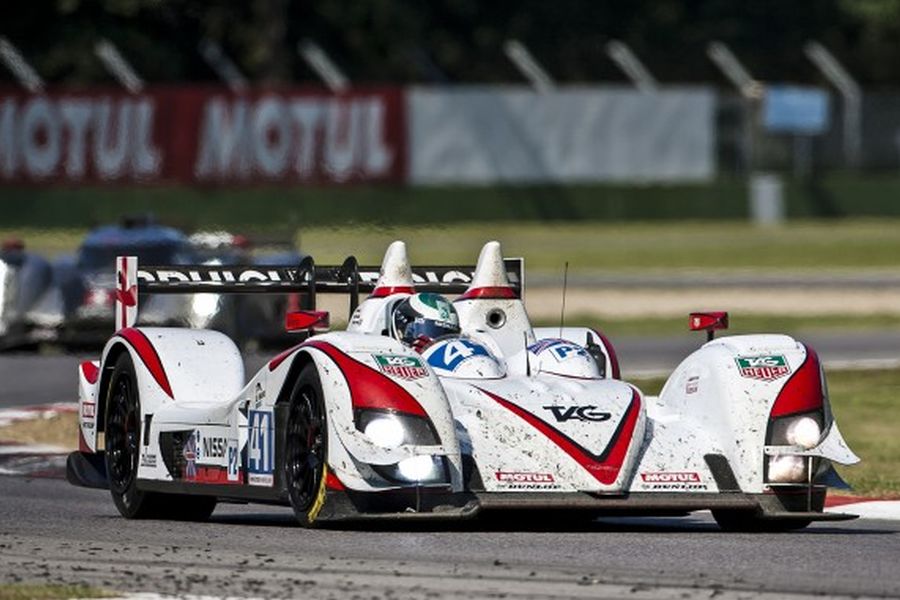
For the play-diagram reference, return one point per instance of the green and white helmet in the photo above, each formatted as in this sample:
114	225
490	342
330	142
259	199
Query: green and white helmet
423	317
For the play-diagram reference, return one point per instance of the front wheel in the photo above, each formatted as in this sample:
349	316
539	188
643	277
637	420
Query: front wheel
306	447
750	522
122	445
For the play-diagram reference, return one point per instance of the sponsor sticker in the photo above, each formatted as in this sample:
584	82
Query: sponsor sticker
402	367
561	350
763	368
672	481
88	410
213	447
692	385
587	413
148	460
685	477
523	480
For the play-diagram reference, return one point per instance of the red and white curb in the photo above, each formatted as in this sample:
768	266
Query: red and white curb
8	416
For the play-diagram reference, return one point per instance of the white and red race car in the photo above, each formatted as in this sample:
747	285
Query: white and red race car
353	424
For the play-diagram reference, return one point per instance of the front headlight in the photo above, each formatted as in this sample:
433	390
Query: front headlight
804	432
419	470
385	431
390	429
797	430
787	469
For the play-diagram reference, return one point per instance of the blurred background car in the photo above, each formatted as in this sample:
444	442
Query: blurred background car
69	302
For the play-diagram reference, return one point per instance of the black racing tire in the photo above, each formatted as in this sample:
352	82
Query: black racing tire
122	448
750	522
306	448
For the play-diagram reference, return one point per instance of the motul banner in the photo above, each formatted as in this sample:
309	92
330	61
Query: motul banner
199	135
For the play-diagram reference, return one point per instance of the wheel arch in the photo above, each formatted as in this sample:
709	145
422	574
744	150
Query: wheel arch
106	372
301	359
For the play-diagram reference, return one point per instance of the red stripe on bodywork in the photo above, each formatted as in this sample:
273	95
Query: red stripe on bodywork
273	364
216	475
489	293
82	443
604	467
123	279
611	352
333	483
381	292
148	355
803	391
90	371
368	387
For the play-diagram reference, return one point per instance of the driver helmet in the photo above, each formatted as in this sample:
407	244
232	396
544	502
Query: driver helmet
422	318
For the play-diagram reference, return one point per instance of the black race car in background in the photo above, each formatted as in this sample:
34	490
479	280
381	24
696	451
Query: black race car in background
24	279
70	301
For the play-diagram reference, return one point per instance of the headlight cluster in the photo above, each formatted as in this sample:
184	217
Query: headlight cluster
804	431
391	430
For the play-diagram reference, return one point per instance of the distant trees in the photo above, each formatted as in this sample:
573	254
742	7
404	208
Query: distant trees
452	40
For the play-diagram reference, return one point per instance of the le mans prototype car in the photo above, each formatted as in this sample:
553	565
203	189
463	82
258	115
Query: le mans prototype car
502	418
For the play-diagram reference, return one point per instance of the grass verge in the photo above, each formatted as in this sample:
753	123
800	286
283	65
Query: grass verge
717	245
38	591
865	407
59	430
738	324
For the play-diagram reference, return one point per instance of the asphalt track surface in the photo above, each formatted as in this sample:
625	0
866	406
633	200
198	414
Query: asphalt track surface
52	532
27	379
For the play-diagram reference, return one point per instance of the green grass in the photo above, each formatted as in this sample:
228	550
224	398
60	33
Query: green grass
865	407
817	245
658	247
37	591
848	194
739	324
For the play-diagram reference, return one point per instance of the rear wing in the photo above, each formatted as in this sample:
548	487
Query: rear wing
307	279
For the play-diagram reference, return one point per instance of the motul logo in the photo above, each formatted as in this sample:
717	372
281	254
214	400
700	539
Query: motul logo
670	477
516	477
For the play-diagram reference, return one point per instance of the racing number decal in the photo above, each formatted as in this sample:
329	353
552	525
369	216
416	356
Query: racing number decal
261	448
233	460
454	353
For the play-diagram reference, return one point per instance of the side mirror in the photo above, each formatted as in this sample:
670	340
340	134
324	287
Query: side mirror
311	320
708	322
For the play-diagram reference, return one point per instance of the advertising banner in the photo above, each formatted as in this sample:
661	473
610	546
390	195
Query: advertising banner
203	136
496	134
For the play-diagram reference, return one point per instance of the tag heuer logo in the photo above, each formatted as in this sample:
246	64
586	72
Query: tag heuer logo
764	368
404	367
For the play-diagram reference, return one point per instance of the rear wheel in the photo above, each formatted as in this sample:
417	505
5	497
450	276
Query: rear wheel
751	522
122	445
306	447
